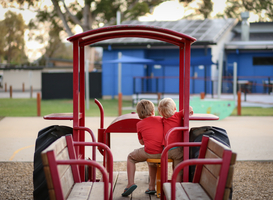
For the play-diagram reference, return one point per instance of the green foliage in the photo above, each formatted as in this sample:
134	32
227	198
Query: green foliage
12	41
106	11
135	9
140	8
264	8
206	8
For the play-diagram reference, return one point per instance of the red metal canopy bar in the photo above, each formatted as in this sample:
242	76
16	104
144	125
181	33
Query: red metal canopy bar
111	32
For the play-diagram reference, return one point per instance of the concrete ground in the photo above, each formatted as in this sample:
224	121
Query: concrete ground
250	137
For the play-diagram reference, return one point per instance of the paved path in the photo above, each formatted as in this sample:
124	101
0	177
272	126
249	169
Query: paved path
250	137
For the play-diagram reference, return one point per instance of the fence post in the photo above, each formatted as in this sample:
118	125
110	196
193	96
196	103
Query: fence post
202	95
10	91
6	88
158	97
38	104
239	103
119	104
23	87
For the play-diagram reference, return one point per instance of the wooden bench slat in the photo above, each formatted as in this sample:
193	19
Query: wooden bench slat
208	182
48	177
63	155
217	147
97	192
226	194
51	194
67	181
230	176
214	169
80	191
195	191
233	158
180	193
56	147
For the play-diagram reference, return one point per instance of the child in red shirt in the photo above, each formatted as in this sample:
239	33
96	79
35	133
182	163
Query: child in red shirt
171	119
150	134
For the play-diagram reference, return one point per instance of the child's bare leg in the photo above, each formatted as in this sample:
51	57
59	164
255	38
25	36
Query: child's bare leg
179	178
131	168
152	174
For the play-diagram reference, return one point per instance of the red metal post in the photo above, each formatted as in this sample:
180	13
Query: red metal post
38	104
181	76
76	92
82	109
186	106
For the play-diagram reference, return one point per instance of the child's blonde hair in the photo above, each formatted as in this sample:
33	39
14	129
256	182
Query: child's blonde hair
145	108
166	107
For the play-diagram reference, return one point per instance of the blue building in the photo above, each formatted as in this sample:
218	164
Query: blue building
212	51
252	49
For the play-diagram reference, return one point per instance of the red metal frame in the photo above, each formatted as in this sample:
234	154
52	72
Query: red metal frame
111	32
74	162
90	37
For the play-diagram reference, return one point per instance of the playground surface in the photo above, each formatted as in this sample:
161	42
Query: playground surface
250	137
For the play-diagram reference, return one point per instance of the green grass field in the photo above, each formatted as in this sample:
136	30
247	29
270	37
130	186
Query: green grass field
28	108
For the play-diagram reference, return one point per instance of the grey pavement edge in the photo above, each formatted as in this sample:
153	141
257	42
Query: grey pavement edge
251	137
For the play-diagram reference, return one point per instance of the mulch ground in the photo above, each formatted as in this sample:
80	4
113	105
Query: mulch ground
252	180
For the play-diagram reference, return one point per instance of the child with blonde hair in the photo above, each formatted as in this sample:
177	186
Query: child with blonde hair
171	119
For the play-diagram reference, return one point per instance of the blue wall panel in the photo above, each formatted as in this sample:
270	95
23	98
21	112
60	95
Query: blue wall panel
247	71
110	72
129	71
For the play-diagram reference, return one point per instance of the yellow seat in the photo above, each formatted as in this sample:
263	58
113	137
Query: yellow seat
158	173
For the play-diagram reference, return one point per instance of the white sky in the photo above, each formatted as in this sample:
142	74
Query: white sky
169	10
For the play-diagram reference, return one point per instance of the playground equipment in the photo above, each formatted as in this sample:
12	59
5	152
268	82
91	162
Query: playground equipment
126	122
218	107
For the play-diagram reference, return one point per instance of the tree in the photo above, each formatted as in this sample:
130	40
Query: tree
203	11
206	8
263	9
88	15
12	42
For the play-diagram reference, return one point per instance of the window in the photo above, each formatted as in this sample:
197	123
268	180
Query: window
262	60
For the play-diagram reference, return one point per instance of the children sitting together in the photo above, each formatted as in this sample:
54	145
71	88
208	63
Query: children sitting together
151	132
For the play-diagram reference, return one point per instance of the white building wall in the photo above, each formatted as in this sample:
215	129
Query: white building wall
217	51
16	79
